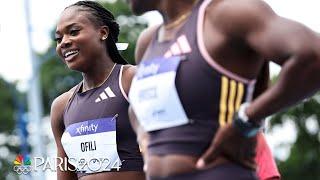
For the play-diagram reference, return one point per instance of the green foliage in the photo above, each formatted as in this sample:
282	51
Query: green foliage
7	107
304	159
56	78
5	168
130	26
7	120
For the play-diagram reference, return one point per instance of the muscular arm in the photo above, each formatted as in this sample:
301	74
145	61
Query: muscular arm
143	42
128	73
141	47
57	126
287	43
263	34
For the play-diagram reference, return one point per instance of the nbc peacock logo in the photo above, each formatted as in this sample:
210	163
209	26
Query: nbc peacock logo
22	164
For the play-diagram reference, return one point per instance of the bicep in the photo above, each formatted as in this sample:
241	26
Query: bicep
140	49
56	115
274	37
255	23
57	122
127	75
279	38
57	127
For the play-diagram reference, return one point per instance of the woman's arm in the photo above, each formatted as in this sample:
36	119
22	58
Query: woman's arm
57	126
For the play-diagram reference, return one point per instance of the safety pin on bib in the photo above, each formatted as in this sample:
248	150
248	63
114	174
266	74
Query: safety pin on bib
114	117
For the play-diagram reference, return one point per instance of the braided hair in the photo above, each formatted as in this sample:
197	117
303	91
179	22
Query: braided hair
100	16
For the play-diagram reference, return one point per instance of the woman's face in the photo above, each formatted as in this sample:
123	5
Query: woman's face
78	39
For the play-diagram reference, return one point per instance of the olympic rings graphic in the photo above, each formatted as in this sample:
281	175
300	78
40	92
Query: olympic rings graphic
22	169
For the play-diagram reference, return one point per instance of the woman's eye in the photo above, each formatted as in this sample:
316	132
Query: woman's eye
74	32
57	39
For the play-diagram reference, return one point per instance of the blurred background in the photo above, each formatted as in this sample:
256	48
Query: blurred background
31	76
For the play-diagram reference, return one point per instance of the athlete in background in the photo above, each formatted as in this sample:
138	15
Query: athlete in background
214	52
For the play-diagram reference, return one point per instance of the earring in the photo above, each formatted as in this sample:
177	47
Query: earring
104	38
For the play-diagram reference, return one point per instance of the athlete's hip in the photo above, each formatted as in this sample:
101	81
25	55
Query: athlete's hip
184	168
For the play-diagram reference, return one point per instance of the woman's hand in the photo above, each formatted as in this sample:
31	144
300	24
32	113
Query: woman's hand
229	145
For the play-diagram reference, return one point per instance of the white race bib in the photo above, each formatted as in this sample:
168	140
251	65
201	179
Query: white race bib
91	145
154	97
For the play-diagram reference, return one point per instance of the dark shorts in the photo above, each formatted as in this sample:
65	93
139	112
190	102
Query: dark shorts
223	172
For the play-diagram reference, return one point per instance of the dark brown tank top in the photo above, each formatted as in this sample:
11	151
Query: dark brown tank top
108	100
209	93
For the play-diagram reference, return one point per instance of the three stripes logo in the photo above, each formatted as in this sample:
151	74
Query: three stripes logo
231	97
182	46
107	93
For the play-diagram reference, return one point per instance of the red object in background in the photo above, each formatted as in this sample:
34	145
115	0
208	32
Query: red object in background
267	168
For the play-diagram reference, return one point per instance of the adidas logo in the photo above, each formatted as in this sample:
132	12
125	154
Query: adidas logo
182	46
107	93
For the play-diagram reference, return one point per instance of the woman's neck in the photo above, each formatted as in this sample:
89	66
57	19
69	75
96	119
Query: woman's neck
175	13
97	74
172	10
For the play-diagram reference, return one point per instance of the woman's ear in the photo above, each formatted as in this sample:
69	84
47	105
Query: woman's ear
104	32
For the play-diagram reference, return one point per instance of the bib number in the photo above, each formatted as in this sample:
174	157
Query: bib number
91	145
154	97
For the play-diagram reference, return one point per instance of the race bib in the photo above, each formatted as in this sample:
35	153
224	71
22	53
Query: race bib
154	97
91	145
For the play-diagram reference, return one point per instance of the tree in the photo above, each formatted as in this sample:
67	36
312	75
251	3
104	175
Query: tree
304	159
7	107
56	78
8	102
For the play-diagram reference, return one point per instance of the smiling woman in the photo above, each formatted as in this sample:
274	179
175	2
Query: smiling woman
95	111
